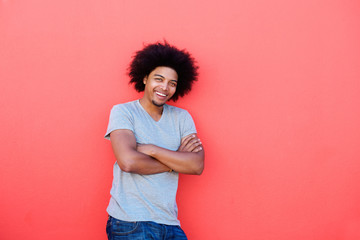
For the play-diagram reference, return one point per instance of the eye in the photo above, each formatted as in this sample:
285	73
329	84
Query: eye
172	84
158	79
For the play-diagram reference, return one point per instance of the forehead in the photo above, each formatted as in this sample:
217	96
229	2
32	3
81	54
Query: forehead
165	72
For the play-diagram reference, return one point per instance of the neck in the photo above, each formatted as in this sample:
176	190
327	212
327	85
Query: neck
151	108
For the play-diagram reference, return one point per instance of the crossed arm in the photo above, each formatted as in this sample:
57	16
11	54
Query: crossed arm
151	159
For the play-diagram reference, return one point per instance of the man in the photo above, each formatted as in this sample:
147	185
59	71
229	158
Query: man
153	142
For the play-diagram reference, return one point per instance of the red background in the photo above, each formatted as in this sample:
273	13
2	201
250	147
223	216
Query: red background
276	106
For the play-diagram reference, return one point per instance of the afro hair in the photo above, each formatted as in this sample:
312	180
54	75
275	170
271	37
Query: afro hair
163	54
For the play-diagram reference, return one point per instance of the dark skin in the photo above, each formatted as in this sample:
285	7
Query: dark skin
131	157
151	159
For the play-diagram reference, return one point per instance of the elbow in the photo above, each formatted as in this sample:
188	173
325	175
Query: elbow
126	165
198	170
200	165
125	168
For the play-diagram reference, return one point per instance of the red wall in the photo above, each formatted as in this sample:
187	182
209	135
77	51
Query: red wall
276	106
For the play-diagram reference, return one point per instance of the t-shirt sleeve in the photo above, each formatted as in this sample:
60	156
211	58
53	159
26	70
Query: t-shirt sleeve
188	125
120	118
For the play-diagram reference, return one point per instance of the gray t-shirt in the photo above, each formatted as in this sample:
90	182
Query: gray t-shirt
136	197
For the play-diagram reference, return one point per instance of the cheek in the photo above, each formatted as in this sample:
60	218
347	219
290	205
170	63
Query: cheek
150	86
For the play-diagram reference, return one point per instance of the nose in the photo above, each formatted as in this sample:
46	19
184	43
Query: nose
164	86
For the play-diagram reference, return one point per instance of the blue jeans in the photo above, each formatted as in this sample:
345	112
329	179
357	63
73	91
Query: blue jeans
117	229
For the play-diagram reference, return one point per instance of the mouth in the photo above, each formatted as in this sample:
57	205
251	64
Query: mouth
161	95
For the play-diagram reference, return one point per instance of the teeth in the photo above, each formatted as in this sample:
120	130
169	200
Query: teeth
161	94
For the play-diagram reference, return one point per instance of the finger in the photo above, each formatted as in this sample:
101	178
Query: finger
192	145
187	138
186	141
189	145
198	149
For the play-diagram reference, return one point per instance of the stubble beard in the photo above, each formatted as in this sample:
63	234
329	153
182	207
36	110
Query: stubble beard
157	104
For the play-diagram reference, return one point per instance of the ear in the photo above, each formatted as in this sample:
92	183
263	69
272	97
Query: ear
145	80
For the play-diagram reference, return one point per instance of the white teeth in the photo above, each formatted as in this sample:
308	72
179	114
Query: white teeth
161	94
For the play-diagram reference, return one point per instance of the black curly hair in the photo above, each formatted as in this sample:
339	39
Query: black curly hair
163	54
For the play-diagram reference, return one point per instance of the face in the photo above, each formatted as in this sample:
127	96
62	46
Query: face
160	85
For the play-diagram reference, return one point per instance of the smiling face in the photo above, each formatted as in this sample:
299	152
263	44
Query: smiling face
160	85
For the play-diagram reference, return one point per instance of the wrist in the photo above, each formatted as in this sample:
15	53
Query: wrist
152	150
144	148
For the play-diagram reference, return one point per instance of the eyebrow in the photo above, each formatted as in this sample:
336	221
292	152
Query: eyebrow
158	75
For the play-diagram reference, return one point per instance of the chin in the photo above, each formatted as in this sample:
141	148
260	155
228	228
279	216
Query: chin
158	104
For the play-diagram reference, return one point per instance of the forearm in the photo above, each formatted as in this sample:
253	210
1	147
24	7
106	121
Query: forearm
141	164
129	159
182	162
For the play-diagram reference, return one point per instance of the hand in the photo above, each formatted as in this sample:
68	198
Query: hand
190	143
